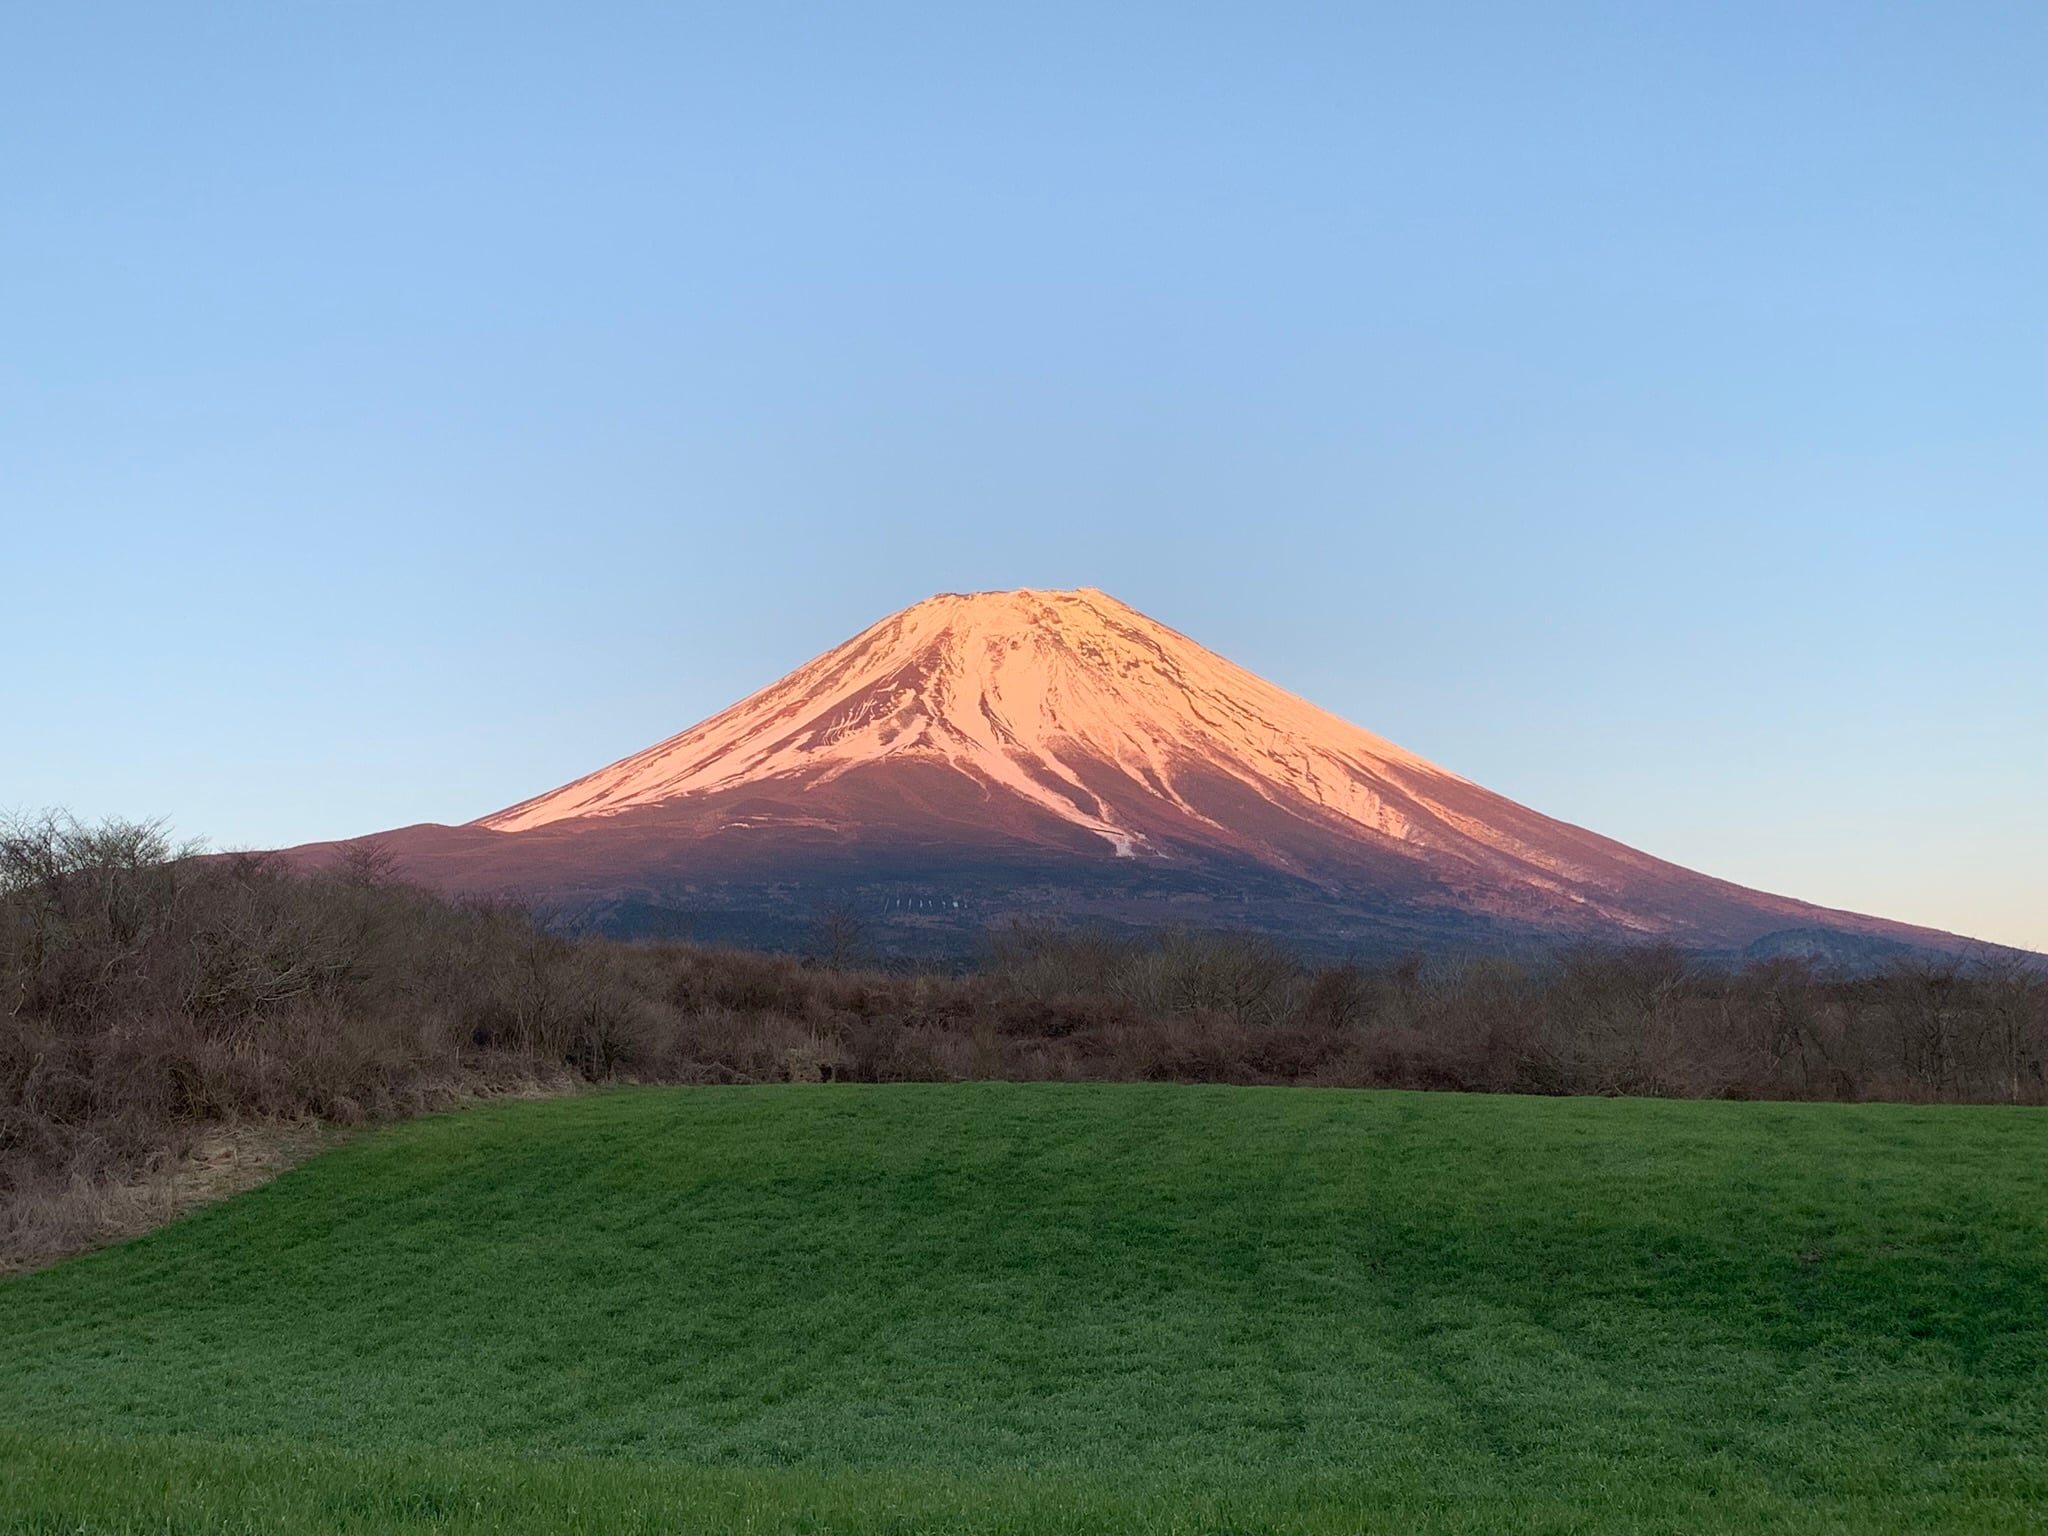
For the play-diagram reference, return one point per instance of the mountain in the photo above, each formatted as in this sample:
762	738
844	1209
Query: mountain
984	756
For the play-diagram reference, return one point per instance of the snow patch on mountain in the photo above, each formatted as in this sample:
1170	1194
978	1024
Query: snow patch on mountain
1021	691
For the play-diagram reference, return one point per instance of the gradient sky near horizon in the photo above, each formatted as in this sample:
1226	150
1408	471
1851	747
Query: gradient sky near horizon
1639	409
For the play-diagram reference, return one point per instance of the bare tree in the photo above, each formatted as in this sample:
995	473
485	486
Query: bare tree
2015	1023
368	861
1923	998
841	938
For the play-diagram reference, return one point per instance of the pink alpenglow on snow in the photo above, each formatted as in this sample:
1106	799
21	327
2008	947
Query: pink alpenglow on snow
995	755
1005	687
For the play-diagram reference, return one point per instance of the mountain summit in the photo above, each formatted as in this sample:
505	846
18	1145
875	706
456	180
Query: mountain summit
1070	702
987	755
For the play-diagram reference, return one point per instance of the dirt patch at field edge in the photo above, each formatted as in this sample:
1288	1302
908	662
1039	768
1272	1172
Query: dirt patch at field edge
57	1218
60	1217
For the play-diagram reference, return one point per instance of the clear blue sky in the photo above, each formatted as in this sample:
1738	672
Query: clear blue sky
1641	409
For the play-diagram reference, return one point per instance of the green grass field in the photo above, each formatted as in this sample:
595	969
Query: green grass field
987	1308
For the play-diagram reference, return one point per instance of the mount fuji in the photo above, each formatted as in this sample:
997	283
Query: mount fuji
988	756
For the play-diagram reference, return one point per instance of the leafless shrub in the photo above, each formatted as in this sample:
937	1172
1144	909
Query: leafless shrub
841	936
150	999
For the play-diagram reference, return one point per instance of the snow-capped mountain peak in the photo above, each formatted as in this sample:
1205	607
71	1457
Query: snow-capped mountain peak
1028	692
997	754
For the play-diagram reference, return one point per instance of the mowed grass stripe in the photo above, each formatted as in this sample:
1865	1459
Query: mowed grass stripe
182	1488
1287	1300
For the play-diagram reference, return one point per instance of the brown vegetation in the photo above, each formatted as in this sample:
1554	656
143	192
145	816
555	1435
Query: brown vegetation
151	1002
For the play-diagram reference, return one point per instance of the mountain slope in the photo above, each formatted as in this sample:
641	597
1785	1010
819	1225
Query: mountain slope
978	755
1024	692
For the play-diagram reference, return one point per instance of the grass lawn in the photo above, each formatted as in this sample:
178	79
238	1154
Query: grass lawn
991	1308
